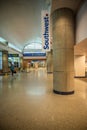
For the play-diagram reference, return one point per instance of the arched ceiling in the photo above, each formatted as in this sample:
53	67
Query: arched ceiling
20	20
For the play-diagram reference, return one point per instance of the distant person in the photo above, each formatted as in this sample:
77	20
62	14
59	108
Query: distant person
12	69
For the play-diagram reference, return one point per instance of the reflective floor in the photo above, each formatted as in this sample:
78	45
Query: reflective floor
27	102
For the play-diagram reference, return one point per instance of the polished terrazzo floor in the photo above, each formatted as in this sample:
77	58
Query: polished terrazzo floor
27	102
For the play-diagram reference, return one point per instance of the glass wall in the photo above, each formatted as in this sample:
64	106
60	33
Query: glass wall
15	59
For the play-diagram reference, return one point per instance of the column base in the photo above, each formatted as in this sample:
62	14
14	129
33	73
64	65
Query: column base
63	93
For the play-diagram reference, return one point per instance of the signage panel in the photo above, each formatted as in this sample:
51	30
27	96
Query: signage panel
45	30
34	54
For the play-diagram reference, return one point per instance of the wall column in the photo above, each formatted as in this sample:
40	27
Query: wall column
21	62
50	62
79	66
63	51
5	61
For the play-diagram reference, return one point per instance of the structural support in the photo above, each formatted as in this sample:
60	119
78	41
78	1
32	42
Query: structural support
50	62
63	51
5	61
21	63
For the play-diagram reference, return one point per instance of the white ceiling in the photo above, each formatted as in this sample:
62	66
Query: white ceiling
20	20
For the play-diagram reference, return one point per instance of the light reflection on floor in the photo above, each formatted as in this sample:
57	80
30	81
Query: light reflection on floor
27	102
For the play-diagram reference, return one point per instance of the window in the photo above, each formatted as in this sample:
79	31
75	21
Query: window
33	47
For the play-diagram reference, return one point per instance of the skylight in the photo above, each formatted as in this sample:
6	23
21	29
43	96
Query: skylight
33	46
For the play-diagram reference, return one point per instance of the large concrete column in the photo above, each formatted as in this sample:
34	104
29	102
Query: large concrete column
63	51
50	62
5	61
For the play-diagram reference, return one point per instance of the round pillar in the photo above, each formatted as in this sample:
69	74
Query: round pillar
63	51
5	61
50	62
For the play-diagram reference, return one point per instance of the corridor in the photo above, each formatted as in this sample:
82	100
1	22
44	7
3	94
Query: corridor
27	102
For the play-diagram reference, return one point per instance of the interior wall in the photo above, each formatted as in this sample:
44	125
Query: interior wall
81	23
79	66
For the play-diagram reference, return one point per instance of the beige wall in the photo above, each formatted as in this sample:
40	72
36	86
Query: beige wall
79	66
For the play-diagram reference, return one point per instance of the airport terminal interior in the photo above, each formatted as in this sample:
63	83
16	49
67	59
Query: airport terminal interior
45	41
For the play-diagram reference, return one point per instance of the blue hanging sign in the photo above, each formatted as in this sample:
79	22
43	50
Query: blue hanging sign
46	30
